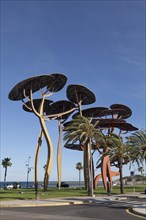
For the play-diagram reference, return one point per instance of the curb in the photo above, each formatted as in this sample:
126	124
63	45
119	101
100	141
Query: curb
132	211
122	198
43	204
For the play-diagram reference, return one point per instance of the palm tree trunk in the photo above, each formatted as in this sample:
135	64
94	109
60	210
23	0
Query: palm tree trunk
121	179
90	170
89	174
5	176
86	176
79	178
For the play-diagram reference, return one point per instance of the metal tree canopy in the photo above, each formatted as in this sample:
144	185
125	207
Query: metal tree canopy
59	81
126	127
108	122
127	111
91	112
114	113
61	109
80	94
54	83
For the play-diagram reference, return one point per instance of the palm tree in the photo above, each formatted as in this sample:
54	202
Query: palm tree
118	152
81	130
119	155
133	150
137	142
79	167
6	163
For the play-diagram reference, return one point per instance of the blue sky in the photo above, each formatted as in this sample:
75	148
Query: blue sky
99	44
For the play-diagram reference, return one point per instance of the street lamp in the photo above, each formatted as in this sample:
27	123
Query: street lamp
28	170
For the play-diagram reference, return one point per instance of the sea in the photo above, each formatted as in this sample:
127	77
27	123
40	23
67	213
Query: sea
52	184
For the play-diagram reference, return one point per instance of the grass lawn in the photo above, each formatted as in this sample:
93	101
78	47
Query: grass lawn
64	192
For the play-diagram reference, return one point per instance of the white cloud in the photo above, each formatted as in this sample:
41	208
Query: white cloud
130	60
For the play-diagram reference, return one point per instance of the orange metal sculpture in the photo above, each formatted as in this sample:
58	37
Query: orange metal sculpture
106	172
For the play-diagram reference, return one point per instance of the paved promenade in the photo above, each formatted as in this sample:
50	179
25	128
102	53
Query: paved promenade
138	207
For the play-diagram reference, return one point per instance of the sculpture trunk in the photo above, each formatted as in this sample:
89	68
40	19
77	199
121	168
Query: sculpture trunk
49	145
59	155
36	163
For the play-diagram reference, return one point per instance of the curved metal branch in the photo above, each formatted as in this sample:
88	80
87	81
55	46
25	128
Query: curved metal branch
26	106
27	97
49	94
32	104
60	114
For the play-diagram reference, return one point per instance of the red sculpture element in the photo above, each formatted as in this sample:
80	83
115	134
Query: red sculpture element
105	172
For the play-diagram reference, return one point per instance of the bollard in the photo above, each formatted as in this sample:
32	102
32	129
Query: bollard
108	189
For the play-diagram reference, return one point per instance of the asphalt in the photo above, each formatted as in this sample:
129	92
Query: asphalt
137	209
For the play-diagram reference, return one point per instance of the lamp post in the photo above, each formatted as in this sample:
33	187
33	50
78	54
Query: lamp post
28	170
